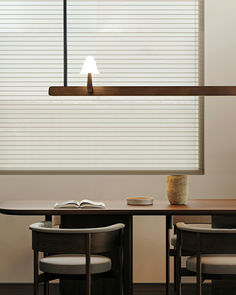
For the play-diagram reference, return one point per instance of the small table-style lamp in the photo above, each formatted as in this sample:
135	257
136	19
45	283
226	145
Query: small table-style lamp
89	67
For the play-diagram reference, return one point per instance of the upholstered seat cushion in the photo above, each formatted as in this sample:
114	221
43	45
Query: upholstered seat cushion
74	264
173	240
214	264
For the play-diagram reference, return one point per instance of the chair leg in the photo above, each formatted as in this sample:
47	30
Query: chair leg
46	288
60	287
121	282
36	282
199	266
175	272
88	261
88	283
45	281
178	277
178	265
121	267
36	286
199	284
199	278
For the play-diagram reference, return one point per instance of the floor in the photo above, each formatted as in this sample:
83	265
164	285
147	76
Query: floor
139	289
229	288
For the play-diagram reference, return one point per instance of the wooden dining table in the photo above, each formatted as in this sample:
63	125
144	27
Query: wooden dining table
119	211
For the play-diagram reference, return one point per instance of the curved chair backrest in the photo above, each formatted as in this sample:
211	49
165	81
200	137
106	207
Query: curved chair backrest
206	240
49	239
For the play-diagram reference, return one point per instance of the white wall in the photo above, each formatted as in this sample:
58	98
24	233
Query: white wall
218	182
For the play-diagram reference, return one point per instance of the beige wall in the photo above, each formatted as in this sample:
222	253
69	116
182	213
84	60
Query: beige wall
219	181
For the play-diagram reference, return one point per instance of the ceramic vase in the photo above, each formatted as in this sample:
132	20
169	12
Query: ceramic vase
177	189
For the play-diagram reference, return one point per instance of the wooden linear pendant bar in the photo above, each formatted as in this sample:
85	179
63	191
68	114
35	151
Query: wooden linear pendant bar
144	91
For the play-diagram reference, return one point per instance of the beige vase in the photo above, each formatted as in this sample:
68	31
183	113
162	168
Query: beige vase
177	189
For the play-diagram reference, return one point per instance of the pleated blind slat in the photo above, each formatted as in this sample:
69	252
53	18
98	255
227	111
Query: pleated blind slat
134	43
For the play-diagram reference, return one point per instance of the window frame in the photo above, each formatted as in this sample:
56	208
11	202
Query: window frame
200	171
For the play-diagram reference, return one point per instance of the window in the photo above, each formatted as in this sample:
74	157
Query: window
157	42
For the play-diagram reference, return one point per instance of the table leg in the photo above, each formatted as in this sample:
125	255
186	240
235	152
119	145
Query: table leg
111	286
168	227
128	256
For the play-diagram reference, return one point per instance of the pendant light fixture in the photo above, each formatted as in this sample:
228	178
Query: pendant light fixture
90	68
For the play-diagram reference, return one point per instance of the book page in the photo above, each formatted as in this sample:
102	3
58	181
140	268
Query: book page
67	204
91	204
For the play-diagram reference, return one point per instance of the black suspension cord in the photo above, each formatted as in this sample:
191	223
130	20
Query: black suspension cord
65	40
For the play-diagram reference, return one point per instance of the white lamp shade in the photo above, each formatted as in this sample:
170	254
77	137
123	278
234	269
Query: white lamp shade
89	66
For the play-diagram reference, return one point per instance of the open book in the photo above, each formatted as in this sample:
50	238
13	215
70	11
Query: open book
81	204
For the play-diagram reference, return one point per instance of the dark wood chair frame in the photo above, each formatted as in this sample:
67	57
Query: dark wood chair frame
197	243
77	243
171	252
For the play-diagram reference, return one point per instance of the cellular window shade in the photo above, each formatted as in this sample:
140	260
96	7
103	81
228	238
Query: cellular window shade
134	43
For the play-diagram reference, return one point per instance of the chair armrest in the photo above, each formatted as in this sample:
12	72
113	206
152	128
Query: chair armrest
46	227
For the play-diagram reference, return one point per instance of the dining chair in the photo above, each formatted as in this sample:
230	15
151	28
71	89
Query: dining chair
75	253
213	253
204	220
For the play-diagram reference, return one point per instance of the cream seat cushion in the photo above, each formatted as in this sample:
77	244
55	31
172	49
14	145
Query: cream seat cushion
74	264
214	263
